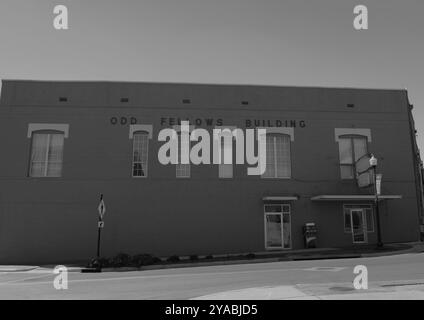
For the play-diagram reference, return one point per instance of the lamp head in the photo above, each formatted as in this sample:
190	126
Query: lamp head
373	161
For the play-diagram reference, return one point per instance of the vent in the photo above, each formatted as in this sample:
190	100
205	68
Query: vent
350	105
63	99
125	100
245	103
186	101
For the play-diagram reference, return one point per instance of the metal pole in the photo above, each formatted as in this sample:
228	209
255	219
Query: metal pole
99	230
377	211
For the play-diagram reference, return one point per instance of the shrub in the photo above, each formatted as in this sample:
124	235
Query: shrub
194	257
173	259
157	260
209	257
121	260
250	256
143	260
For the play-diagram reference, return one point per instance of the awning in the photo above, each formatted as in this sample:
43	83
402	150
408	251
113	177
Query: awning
280	198
353	197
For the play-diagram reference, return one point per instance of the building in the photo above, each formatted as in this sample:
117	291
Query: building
65	143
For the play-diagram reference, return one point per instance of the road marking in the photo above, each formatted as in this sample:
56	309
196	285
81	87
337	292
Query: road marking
257	293
332	269
24	279
19	282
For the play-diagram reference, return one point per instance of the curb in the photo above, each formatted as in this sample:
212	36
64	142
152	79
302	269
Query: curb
18	268
288	257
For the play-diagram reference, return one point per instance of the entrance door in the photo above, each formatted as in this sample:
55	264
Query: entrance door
277	226
274	230
358	224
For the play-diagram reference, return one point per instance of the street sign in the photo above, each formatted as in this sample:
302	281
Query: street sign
363	175
378	177
101	224
364	179
101	208
362	164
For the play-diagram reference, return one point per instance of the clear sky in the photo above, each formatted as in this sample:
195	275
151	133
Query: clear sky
293	42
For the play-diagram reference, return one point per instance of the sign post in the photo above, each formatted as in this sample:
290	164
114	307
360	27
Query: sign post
102	209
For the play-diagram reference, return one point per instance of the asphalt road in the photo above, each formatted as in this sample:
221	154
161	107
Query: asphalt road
391	277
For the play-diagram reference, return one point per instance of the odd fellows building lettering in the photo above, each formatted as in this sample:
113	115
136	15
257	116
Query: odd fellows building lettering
211	122
176	189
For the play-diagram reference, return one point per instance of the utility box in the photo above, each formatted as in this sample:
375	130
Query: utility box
310	234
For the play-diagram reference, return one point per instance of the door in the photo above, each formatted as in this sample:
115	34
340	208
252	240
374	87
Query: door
359	226
277	226
273	231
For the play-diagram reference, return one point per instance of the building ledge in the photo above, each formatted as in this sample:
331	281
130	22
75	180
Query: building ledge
280	198
354	197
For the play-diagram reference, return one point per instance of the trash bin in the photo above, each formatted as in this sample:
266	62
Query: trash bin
310	235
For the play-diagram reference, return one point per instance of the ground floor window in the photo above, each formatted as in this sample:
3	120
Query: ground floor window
359	221
277	226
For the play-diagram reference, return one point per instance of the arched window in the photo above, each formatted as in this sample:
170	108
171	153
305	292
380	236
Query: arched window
46	153
278	156
140	154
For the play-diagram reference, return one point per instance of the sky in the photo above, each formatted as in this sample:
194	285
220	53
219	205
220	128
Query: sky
276	42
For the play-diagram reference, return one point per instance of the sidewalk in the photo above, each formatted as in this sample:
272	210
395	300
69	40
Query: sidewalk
256	257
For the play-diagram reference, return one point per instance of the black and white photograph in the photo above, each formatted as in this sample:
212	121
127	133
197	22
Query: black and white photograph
211	154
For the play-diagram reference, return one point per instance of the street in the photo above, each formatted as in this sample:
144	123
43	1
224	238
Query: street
390	277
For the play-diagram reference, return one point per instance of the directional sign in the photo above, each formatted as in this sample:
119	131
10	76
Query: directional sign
101	208
364	179
378	177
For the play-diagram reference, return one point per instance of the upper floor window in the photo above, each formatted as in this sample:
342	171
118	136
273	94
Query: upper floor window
182	170
140	154
278	157
46	154
351	148
225	169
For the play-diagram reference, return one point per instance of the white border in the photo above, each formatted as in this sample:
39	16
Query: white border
63	127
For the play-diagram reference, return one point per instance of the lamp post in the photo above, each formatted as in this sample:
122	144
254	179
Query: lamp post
373	165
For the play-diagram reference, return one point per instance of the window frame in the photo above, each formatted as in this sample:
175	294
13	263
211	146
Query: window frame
49	132
275	157
179	165
222	166
146	170
351	138
282	212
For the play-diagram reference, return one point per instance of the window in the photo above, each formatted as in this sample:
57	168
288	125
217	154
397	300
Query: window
226	170
182	170
46	154
278	161
351	148
367	212
140	154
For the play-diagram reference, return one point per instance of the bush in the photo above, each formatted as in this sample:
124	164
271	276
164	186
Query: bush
250	256
194	257
157	260
120	260
209	257
143	260
173	259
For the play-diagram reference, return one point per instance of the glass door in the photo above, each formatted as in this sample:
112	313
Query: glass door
277	227
274	231
359	226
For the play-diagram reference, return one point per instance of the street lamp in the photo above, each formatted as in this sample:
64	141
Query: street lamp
373	165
